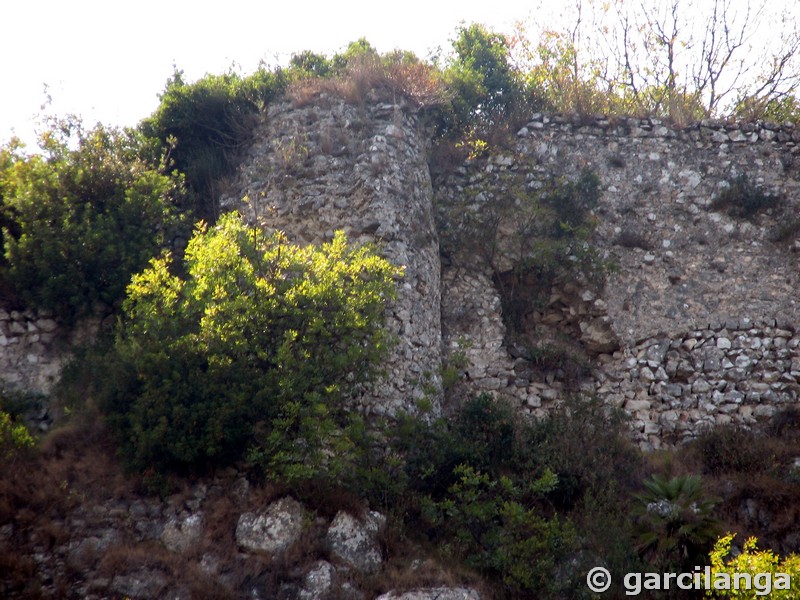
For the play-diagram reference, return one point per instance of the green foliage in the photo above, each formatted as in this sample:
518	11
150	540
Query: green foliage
14	438
493	526
257	348
676	523
745	200
310	64
474	484
506	496
483	84
80	219
354	53
585	442
764	571
18	403
204	124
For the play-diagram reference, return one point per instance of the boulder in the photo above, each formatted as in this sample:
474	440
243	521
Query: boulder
598	337
354	541
273	530
318	582
182	532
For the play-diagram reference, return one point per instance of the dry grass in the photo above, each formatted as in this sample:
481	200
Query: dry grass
751	476
74	467
370	78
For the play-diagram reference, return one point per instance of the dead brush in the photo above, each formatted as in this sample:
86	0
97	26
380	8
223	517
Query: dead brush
369	76
419	83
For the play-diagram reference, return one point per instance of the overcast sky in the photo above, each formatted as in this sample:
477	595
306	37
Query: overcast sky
107	61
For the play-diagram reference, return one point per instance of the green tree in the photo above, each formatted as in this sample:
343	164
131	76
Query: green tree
482	80
81	218
257	347
310	64
357	51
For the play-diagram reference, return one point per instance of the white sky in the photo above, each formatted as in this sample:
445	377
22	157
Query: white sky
107	61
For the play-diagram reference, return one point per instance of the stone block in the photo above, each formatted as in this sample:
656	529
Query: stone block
273	530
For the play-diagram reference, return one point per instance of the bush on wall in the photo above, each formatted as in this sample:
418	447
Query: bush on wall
527	238
203	125
255	348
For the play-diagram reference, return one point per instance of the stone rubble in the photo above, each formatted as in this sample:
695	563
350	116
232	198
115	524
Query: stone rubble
354	541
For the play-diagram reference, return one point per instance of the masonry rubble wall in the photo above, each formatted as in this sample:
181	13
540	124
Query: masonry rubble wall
330	166
30	357
696	327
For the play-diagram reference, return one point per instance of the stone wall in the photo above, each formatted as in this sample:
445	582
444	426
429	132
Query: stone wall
697	326
30	355
318	168
33	351
735	372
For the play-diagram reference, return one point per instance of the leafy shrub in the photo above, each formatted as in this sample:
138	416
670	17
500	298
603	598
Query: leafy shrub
473	483
758	571
527	238
80	221
203	125
586	443
257	347
493	526
483	435
744	200
507	496
14	438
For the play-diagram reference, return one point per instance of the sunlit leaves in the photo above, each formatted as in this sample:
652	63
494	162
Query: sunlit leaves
258	345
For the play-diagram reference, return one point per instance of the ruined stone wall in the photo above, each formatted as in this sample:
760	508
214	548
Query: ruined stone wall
697	326
34	348
699	323
327	166
30	357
